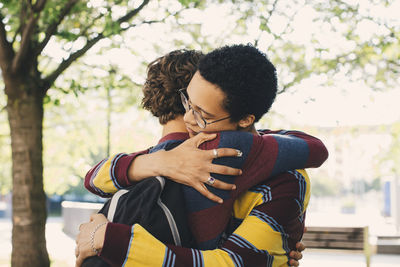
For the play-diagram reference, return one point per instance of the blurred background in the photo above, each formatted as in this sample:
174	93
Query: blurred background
338	66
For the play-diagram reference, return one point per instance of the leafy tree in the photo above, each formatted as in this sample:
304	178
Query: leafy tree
26	29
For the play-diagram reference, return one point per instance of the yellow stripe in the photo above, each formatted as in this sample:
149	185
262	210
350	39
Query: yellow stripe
216	258
103	179
245	203
145	250
263	237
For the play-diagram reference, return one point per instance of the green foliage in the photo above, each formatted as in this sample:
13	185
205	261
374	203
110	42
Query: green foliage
372	38
325	187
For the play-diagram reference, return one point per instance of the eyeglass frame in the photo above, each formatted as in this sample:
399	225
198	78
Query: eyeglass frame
197	115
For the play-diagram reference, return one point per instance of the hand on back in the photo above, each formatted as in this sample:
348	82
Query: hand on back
189	165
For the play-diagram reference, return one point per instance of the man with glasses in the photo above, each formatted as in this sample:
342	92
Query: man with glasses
204	116
197	115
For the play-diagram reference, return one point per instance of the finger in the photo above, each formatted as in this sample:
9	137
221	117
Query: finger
296	255
227	152
202	189
93	216
221	169
300	246
203	137
79	261
293	263
222	185
76	251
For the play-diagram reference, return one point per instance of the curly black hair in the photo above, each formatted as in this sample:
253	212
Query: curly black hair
165	76
245	75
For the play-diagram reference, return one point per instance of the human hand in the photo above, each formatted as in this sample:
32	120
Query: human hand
189	165
86	245
296	256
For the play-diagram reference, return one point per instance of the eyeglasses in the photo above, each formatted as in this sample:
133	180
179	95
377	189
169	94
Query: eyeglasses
197	116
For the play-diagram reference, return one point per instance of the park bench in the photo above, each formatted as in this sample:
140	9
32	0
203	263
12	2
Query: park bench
75	213
339	238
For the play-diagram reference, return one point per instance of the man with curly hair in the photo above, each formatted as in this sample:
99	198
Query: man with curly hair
236	95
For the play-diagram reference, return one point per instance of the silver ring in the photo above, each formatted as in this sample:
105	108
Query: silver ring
215	152
210	180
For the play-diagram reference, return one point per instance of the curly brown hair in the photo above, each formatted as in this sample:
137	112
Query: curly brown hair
165	76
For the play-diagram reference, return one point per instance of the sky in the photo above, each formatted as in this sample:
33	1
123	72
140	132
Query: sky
336	106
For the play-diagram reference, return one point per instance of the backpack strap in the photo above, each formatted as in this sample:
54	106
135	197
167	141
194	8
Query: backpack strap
114	202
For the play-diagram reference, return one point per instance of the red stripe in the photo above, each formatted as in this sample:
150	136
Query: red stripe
210	223
183	256
116	243
122	167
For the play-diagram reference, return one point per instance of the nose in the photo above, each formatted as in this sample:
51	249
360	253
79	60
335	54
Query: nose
188	117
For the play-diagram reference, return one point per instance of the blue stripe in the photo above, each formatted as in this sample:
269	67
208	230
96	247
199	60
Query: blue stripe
194	258
243	243
302	187
293	153
268	219
264	190
173	259
167	258
247	243
270	260
233	238
237	260
197	258
129	247
112	170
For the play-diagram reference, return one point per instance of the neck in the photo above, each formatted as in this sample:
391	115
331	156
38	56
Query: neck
250	129
174	126
253	129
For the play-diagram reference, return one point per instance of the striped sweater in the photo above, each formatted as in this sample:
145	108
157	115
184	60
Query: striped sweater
265	156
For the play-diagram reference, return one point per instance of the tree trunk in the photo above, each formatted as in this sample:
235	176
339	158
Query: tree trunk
25	115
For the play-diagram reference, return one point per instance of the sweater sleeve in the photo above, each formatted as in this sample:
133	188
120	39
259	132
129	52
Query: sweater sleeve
287	150
264	238
134	246
110	174
276	151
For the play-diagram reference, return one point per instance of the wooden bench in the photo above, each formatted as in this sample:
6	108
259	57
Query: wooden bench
339	238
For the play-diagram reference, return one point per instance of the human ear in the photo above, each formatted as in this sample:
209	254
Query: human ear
247	121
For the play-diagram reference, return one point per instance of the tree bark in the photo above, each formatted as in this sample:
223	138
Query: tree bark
25	115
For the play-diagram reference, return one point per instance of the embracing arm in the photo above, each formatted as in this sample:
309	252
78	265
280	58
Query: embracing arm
276	151
271	224
134	246
122	170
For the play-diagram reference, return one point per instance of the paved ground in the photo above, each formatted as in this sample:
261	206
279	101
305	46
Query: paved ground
61	251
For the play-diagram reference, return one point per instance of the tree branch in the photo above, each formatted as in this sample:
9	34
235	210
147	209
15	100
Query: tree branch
133	12
52	29
25	41
151	21
49	80
6	51
38	6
